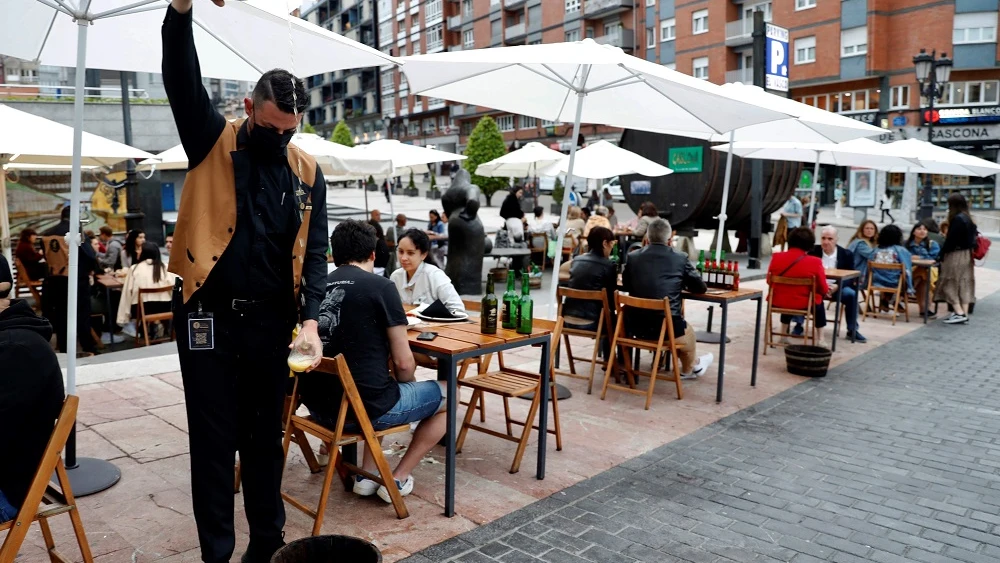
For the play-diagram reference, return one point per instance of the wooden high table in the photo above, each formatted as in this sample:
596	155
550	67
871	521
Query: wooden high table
841	277
459	341
928	264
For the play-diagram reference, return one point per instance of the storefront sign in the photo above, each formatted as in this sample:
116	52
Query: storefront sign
869	117
899	121
988	114
685	159
776	63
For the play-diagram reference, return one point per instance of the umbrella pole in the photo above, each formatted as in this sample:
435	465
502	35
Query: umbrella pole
815	186
565	204
364	186
5	221
392	202
725	196
87	475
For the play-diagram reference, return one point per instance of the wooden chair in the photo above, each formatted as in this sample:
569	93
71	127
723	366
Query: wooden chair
572	326
337	437
898	292
664	343
53	501
569	247
27	285
540	245
809	313
147	318
508	383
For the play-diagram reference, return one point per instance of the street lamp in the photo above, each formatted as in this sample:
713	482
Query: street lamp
932	77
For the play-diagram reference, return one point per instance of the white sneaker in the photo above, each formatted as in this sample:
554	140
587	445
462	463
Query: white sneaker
364	487
699	368
405	488
955	319
108	338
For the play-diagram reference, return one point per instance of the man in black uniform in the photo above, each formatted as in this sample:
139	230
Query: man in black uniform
248	220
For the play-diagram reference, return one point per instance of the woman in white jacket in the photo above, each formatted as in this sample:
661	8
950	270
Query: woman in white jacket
149	273
419	280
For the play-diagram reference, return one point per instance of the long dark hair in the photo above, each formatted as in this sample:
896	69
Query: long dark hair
422	243
913	232
130	244
152	252
437	216
956	204
26	235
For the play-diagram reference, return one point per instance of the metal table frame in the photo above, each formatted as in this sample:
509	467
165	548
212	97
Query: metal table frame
841	278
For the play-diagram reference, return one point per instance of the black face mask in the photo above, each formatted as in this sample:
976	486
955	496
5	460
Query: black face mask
265	141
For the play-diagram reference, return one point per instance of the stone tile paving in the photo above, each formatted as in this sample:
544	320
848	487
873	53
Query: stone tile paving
893	457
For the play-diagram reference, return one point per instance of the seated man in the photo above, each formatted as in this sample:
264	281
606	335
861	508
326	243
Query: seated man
363	318
837	257
538	224
655	272
796	263
31	393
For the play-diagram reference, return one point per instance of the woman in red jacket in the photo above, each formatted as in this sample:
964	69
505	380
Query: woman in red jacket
796	263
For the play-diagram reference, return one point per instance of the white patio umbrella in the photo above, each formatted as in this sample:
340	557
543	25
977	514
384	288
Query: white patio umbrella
609	87
932	159
173	158
604	160
525	161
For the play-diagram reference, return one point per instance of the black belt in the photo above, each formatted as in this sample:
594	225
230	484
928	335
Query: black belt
252	305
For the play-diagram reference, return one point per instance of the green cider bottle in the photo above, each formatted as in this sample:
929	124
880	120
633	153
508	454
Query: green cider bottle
525	306
701	262
488	313
508	317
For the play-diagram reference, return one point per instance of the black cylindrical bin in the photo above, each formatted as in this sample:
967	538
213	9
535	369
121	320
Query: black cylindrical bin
807	361
328	549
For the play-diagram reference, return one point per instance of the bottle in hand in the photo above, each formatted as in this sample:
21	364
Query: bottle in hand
510	302
488	314
524	308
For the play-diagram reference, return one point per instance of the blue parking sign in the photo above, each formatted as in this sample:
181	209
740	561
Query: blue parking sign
776	61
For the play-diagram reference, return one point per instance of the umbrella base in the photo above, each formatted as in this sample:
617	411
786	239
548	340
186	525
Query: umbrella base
92	476
709	337
562	393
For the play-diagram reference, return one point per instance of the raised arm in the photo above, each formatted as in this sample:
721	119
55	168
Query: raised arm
198	122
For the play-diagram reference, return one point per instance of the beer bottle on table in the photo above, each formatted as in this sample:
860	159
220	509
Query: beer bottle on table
701	262
711	272
510	300
488	314
524	308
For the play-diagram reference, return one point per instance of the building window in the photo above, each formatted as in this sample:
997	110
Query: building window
699	22
804	4
699	68
505	123
968	94
975	27
414	128
468	39
899	97
805	50
388	81
526	122
389	106
435	37
650	38
430	125
668	30
573	35
467	8
572	6
650	3
404	86
404	106
854	41
432	10
547	123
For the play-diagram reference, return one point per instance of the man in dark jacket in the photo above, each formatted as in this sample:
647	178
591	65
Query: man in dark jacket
658	271
31	393
837	257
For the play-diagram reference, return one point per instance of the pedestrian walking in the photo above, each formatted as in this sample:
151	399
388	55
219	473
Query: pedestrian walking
838	194
251	233
957	280
885	206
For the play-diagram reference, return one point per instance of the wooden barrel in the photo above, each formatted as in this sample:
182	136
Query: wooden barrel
499	274
328	549
807	361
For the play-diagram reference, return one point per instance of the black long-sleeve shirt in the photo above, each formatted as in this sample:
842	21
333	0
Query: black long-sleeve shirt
257	263
961	234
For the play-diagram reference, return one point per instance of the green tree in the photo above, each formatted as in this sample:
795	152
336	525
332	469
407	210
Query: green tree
308	128
342	135
485	144
412	185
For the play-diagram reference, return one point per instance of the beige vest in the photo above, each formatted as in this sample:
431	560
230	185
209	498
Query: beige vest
207	216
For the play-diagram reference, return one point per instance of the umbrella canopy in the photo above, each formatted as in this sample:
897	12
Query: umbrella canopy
525	161
861	153
605	160
229	40
609	87
173	158
933	159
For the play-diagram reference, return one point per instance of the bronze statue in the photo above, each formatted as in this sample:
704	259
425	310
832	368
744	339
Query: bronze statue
466	235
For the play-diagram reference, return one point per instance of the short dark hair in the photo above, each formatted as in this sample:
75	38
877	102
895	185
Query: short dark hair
596	238
106	231
276	86
890	235
539	211
64	214
802	238
930	224
352	241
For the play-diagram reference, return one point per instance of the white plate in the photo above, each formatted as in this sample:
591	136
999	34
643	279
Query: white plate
459	318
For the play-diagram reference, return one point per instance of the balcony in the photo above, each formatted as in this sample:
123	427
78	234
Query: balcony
435	47
456	110
625	39
744	75
601	8
414	8
455	48
454	23
515	32
514	4
740	32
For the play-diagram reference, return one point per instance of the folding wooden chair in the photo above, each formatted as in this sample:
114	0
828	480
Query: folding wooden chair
508	383
569	247
337	437
898	292
540	245
147	318
26	285
43	493
809	325
573	326
664	343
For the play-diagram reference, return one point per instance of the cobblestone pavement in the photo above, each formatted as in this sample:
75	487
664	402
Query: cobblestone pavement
893	457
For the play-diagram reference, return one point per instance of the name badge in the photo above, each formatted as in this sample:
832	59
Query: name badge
201	331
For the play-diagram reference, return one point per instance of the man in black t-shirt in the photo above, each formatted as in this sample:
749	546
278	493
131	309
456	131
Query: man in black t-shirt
362	317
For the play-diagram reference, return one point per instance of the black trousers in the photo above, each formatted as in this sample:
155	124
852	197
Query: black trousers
55	307
234	396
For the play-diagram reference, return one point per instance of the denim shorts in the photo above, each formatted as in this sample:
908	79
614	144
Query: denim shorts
417	400
7	510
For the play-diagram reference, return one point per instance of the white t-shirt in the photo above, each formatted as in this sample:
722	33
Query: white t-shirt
830	260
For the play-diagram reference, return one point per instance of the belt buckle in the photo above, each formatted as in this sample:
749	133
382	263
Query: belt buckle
237	304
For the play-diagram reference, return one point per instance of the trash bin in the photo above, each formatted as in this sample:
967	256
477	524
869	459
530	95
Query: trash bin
807	361
328	549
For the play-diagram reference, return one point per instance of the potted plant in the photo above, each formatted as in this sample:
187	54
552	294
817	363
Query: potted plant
371	185
558	192
411	187
433	192
397	187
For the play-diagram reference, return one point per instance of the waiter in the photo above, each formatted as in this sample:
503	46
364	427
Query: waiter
251	232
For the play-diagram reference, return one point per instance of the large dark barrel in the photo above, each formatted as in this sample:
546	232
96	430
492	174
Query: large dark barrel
328	549
690	200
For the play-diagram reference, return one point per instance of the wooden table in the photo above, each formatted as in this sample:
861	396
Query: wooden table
110	282
841	277
928	264
458	341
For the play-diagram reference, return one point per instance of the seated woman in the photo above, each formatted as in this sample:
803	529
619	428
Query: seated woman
647	214
796	263
27	252
592	271
921	245
863	244
150	273
381	249
418	279
598	219
890	251
132	252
